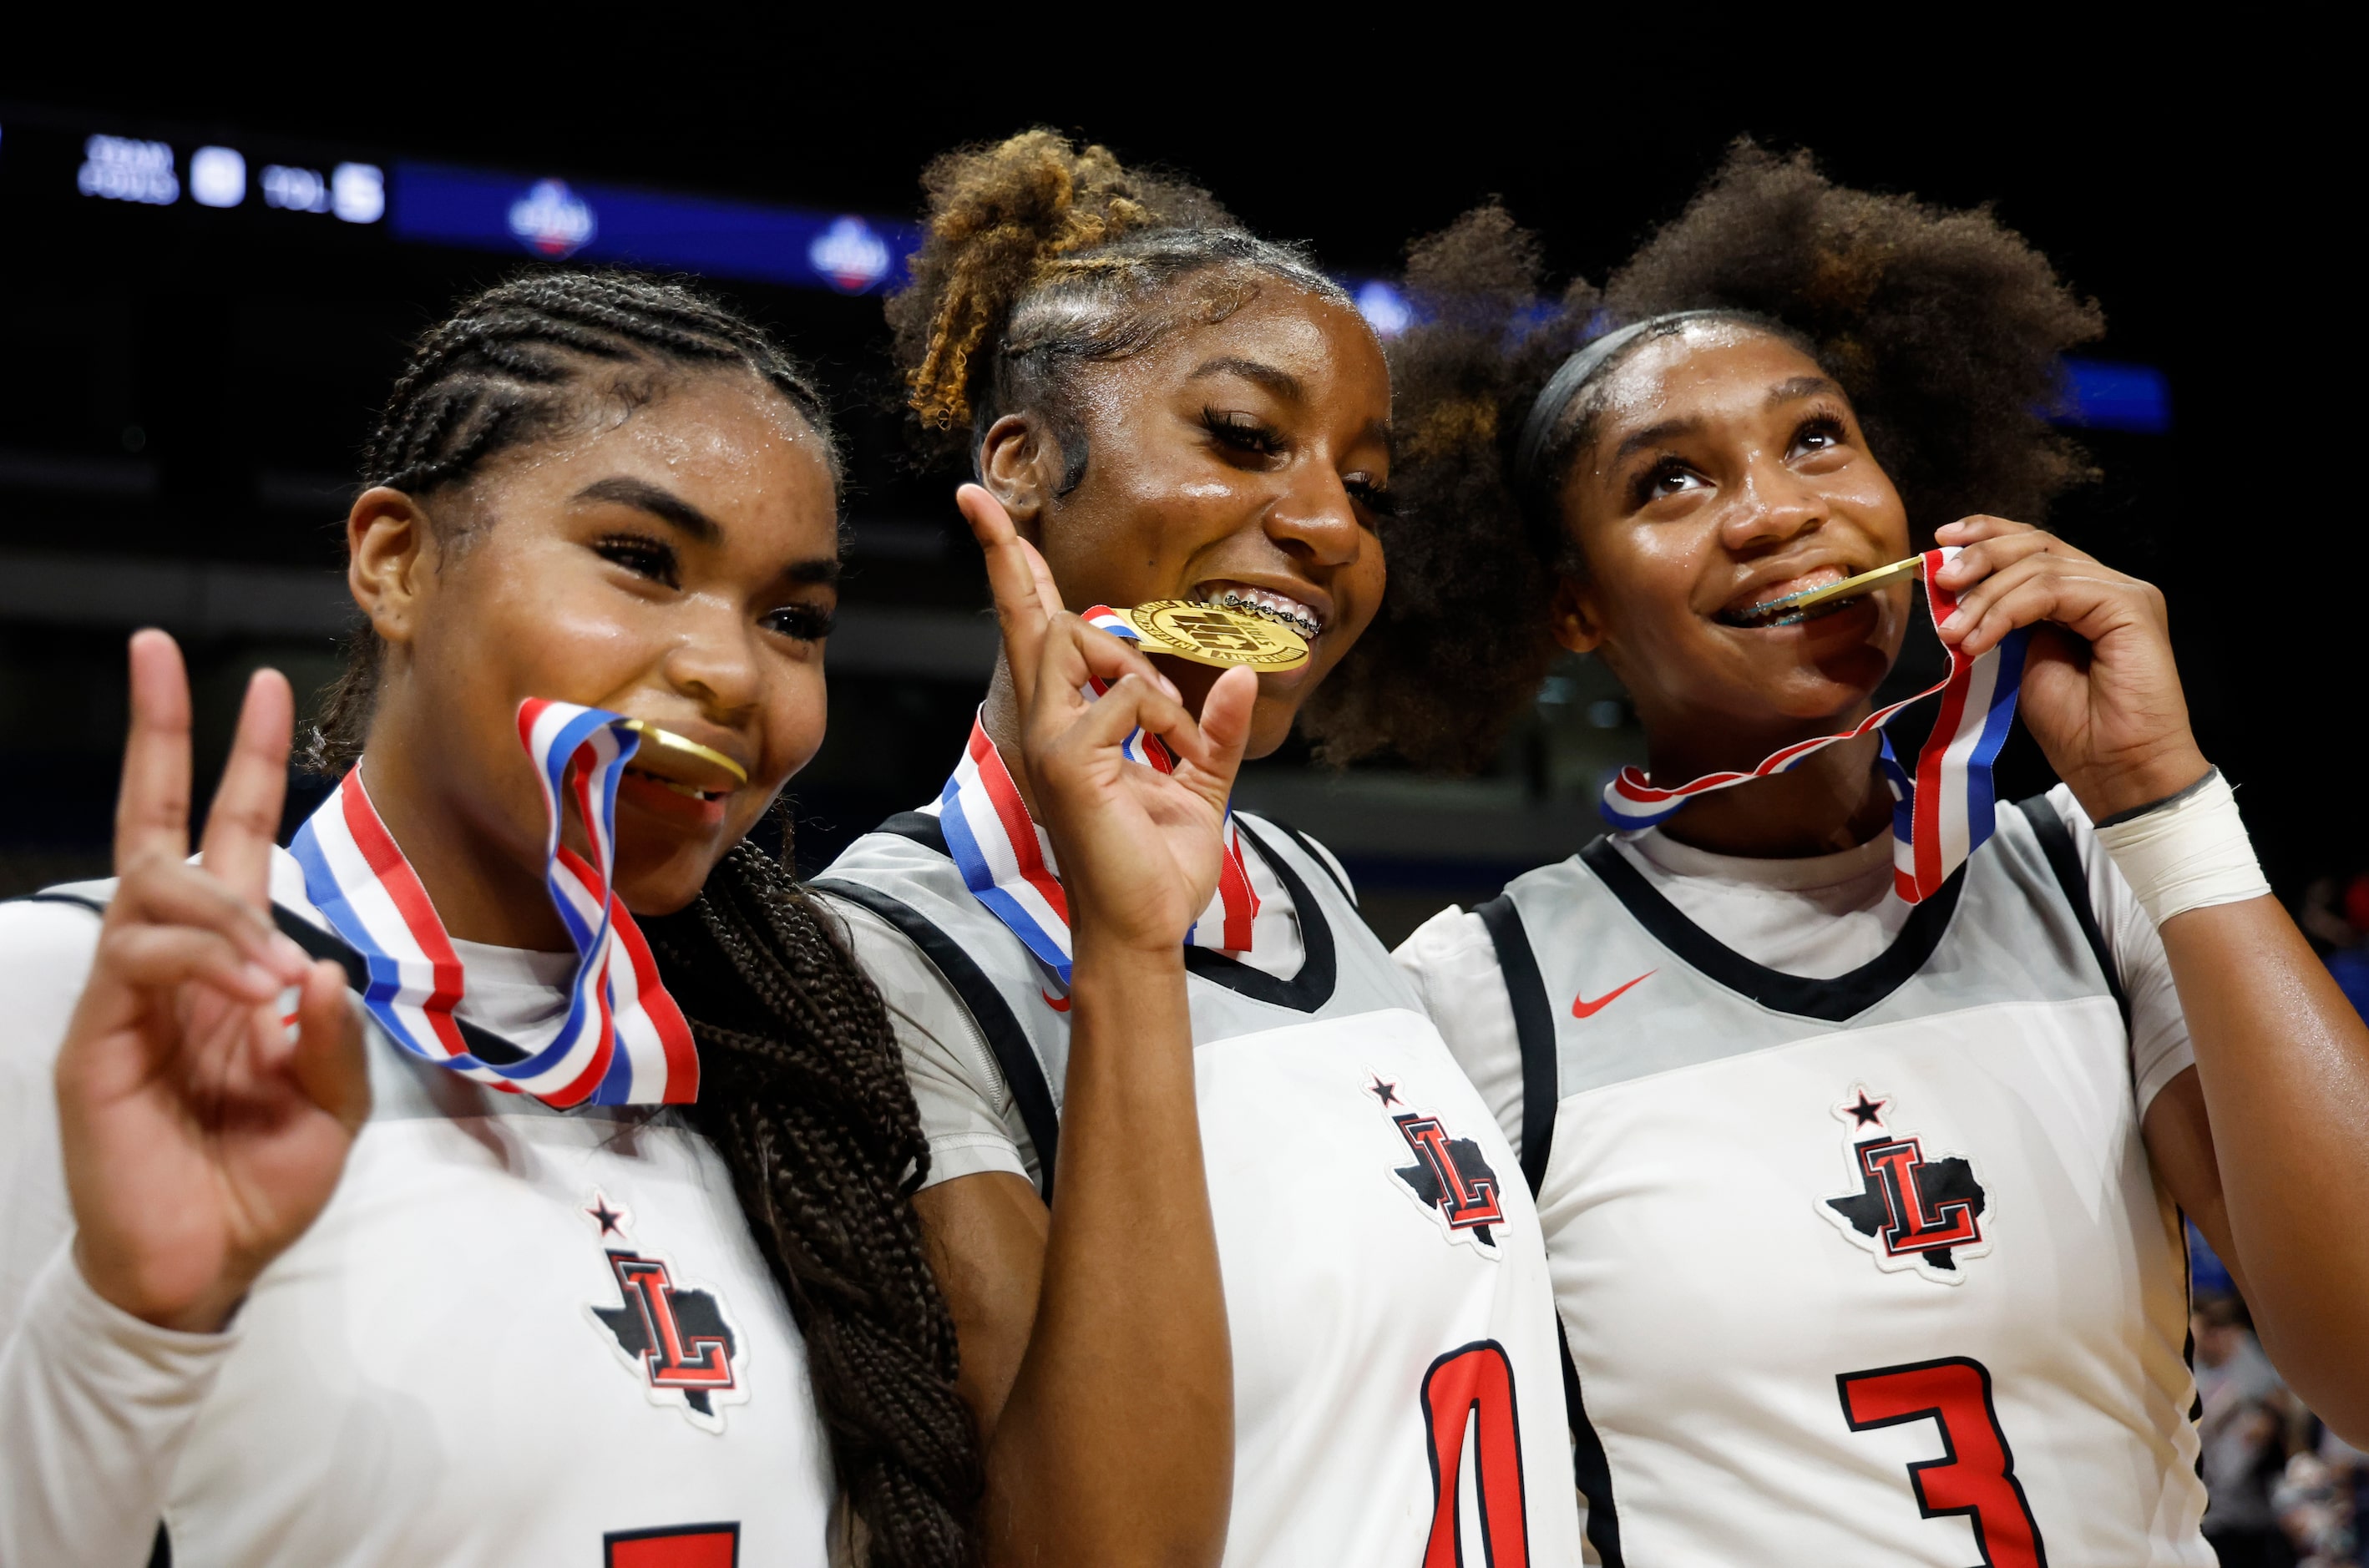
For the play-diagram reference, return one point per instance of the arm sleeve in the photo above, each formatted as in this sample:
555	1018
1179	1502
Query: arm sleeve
96	1407
967	1114
2160	1051
45	954
1454	968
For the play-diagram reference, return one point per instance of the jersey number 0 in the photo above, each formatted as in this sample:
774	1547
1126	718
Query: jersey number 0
1975	1477
1472	1389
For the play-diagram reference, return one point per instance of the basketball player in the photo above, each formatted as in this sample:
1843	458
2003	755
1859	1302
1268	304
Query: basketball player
366	1295
1864	1215
1167	409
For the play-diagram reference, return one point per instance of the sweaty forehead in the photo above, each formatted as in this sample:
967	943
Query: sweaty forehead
1323	347
1705	365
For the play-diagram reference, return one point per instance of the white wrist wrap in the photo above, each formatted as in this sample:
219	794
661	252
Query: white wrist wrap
2188	853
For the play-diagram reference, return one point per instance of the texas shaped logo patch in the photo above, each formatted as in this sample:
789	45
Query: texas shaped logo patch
1910	1210
679	1343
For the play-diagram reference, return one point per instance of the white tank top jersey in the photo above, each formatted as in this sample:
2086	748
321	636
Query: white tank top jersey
1398	1397
1863	1266
513	1336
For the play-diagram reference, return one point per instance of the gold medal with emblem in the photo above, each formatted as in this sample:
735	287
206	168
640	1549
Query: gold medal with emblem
1210	633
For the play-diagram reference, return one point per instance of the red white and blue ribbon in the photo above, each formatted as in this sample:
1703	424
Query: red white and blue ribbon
1007	860
624	1041
1943	812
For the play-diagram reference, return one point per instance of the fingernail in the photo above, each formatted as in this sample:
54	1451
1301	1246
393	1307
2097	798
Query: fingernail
1170	687
1952	623
257	979
290	958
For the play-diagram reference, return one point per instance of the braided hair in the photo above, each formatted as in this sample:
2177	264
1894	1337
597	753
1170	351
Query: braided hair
802	1090
1041	257
1945	328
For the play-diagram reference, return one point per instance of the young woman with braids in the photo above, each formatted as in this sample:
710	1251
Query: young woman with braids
1226	1236
334	1296
1864	1214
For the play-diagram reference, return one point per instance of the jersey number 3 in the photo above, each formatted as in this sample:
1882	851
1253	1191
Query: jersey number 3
1976	1474
1472	1389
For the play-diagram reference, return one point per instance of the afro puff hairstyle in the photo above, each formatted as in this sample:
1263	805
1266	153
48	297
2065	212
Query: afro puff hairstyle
1944	327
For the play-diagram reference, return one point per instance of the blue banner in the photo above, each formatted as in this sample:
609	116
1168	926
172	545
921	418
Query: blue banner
556	219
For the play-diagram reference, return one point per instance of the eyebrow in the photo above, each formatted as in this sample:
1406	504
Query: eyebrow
1793	391
1801	386
1655	435
1282	383
669	507
662	504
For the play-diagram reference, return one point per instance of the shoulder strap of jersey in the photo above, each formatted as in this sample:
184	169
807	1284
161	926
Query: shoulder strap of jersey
318	944
2057	843
1307	847
1014	1055
96	906
1533	1027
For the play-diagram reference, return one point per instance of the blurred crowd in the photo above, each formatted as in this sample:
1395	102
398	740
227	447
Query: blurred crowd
2287	1493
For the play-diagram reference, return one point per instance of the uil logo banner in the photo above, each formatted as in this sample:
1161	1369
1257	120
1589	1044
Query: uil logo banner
678	1342
1449	1179
1910	1211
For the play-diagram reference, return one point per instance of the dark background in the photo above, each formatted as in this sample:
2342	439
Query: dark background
189	388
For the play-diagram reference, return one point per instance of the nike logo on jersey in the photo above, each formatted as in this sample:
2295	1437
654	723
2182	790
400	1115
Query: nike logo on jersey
1057	1004
1582	1008
1909	1212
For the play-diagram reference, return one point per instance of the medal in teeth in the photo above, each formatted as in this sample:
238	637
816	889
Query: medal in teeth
1223	633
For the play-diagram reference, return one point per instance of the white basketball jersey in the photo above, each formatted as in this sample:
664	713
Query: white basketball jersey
1397	1392
1862	1270
514	1335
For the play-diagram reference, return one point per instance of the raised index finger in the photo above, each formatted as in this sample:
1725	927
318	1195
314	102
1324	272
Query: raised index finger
1020	607
151	809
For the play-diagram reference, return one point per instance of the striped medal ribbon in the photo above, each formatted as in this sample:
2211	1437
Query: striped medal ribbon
1007	860
1943	812
624	1041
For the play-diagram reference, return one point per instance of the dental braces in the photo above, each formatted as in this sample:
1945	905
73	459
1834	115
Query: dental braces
1306	625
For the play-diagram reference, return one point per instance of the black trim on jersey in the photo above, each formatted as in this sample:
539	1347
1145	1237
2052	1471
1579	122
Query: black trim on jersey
2057	843
1307	847
922	828
1837	1000
1590	1469
77	901
1022	1073
1533	1029
483	1044
161	1554
1309	990
1305	991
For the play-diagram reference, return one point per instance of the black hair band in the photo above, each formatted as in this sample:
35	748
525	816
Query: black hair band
1546	409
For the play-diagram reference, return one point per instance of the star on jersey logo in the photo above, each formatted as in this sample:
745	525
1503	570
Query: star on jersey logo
678	1342
1910	1212
1387	1093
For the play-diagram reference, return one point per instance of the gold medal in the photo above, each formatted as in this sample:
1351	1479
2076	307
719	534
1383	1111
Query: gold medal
1206	634
677	761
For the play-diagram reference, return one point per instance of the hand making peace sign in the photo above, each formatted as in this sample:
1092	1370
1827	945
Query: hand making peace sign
200	1140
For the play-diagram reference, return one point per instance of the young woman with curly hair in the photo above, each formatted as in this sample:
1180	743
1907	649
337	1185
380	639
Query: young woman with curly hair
1864	1214
1281	1274
584	1234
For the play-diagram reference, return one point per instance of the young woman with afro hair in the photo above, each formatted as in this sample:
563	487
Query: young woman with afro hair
1231	1247
1864	1215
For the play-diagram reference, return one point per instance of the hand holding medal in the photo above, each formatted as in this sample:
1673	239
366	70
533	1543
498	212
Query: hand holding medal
1140	847
2100	690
